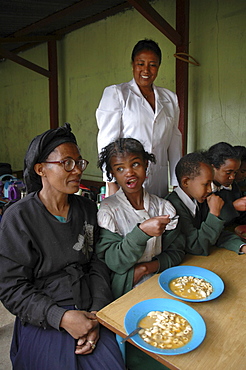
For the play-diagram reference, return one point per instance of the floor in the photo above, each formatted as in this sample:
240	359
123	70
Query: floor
6	329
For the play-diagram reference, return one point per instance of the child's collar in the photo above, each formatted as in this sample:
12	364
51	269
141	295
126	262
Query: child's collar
190	204
219	187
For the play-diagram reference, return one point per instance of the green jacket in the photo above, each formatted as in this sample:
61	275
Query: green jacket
202	234
121	254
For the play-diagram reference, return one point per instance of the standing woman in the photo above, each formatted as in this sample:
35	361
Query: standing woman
50	277
145	112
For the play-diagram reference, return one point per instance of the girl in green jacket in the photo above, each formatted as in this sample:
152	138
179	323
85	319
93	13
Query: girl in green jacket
139	235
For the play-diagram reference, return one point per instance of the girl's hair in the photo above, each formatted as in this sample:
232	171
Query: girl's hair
146	45
241	150
121	146
190	165
218	153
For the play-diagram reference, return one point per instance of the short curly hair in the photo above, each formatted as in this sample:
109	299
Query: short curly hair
241	150
190	165
119	147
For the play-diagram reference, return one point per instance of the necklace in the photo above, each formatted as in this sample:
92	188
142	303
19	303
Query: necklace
146	96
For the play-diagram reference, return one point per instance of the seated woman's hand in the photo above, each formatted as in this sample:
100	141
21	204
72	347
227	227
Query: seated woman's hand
79	324
87	344
155	226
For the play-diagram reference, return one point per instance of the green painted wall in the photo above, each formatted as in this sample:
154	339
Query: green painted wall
23	105
99	55
217	109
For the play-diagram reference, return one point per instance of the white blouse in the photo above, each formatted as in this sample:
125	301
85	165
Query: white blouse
117	215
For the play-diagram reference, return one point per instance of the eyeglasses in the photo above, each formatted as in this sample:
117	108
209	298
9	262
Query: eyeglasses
69	164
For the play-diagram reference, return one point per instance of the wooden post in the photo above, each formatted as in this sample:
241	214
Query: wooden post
182	26
53	84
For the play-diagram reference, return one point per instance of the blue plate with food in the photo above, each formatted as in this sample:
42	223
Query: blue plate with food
169	327
191	283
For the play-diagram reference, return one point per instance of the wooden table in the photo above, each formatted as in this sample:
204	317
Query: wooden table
224	347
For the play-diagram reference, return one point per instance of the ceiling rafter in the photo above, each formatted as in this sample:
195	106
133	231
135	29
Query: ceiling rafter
79	14
38	39
54	17
94	18
157	20
23	62
23	35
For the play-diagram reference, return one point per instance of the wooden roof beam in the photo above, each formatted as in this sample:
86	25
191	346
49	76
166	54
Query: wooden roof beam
23	62
157	20
38	39
52	74
81	5
53	17
94	18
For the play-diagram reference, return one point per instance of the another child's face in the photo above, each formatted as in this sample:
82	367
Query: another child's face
241	174
129	171
226	174
200	186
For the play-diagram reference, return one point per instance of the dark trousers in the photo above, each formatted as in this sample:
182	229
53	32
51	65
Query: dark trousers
34	348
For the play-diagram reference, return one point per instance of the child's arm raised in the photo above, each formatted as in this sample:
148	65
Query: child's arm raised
173	252
155	226
121	253
199	238
215	204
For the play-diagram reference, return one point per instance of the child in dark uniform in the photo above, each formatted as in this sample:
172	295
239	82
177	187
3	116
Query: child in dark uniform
225	160
241	174
200	211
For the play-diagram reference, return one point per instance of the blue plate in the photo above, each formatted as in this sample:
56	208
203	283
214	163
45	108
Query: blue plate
199	272
141	309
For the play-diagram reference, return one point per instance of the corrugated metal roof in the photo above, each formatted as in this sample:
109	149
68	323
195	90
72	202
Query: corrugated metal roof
24	21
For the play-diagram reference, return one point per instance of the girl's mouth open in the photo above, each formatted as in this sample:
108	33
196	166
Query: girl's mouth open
131	183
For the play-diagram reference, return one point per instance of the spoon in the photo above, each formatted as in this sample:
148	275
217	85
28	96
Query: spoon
134	332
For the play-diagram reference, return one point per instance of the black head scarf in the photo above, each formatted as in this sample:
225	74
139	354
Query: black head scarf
39	149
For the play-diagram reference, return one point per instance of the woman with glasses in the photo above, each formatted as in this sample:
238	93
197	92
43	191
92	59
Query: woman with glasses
51	278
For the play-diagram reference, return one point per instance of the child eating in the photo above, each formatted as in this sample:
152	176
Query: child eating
199	209
226	162
241	174
140	235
